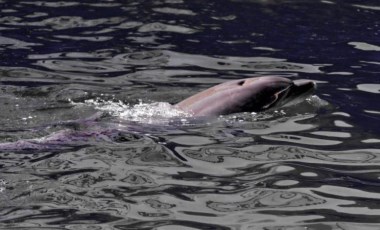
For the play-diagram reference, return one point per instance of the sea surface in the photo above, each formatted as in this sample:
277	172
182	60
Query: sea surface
89	140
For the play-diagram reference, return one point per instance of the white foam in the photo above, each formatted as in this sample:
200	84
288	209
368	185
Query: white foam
151	113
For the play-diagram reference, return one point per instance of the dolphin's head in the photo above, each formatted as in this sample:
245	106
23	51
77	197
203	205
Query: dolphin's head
248	95
265	93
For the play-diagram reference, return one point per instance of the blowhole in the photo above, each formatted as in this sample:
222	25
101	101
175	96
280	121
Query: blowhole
241	82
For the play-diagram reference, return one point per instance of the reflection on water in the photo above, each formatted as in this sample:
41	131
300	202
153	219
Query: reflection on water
89	139
171	59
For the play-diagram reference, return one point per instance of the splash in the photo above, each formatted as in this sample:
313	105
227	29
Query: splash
151	113
165	113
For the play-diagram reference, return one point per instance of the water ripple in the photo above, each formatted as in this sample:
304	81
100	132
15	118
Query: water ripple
161	27
90	141
265	199
11	43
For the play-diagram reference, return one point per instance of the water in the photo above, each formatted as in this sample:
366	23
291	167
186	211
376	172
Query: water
100	75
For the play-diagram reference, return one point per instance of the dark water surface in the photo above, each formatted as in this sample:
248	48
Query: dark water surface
139	165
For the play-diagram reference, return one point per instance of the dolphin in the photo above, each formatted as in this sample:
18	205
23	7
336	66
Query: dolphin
244	95
247	95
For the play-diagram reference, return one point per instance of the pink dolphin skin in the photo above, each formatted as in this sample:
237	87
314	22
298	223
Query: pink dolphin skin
247	95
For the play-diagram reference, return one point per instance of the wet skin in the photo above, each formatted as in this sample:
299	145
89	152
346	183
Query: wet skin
247	95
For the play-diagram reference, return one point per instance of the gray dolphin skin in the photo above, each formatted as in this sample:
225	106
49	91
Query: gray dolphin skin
247	95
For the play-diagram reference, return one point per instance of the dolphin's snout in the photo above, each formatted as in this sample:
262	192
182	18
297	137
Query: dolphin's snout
304	88
305	85
300	90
